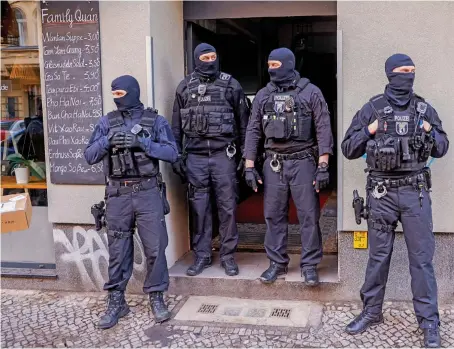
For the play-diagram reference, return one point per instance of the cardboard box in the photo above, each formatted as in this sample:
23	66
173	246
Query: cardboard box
16	212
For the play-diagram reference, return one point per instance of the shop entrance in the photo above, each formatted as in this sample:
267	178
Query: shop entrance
243	46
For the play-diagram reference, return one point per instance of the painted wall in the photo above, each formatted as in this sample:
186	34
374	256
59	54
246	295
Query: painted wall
372	31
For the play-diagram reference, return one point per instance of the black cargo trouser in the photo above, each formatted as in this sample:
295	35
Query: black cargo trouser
415	214
295	178
213	174
142	209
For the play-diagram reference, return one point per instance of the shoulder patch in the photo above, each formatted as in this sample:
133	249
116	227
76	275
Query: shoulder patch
224	76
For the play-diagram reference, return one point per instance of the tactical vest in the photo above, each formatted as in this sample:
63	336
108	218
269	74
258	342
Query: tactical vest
128	163
287	116
207	113
412	144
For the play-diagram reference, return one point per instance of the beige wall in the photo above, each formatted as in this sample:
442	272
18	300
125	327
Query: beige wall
124	27
371	32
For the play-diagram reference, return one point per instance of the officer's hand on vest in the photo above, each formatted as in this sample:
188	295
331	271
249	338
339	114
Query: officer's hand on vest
321	178
252	177
373	127
132	141
117	140
427	126
179	168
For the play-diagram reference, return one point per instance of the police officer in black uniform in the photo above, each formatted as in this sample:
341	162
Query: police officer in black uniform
292	115
209	123
398	131
130	141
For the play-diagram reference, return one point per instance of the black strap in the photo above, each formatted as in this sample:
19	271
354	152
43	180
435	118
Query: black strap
149	117
120	234
115	119
383	110
301	85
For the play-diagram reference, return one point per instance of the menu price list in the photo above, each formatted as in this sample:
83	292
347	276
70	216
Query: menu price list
72	75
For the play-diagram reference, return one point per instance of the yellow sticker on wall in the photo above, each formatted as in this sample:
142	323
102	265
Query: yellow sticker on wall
360	239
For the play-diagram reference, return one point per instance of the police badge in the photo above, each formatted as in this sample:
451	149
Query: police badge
401	128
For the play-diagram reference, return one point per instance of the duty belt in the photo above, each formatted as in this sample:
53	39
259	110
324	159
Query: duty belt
422	177
277	158
122	187
294	156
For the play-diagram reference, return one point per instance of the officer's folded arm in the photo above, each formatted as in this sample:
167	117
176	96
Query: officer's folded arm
165	149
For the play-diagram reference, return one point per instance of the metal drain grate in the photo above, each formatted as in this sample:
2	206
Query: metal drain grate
208	308
281	312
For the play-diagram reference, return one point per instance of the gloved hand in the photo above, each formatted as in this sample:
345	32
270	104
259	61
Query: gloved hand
252	177
321	178
179	168
387	155
132	141
117	140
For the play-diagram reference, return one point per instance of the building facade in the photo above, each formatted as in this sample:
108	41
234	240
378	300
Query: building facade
341	46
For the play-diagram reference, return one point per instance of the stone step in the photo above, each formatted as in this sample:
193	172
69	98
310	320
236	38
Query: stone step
214	282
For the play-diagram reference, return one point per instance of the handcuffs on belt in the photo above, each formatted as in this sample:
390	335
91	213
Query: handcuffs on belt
379	190
275	164
230	151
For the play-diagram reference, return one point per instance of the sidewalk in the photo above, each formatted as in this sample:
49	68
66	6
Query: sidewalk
53	319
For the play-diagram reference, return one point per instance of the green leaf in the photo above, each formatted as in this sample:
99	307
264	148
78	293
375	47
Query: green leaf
35	170
18	158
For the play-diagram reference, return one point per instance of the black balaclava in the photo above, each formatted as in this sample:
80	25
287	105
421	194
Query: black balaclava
400	88
285	74
205	69
131	100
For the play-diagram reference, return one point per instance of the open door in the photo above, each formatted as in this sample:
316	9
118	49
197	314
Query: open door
195	34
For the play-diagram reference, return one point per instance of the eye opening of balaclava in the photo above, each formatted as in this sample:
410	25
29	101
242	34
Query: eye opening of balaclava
205	69
132	98
285	74
400	87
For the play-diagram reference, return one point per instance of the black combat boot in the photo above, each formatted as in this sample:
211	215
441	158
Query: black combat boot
199	265
432	336
310	276
230	267
363	321
116	308
158	307
270	275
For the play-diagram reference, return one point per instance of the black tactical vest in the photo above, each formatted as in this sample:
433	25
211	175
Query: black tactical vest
128	163
286	116
413	145
207	113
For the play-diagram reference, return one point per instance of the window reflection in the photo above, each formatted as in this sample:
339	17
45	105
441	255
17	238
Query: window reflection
22	127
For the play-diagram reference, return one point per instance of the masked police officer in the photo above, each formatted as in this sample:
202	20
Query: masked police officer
209	123
130	141
398	131
293	117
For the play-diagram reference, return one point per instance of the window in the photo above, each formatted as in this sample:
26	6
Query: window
22	26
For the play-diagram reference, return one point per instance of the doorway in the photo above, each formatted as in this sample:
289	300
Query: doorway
243	46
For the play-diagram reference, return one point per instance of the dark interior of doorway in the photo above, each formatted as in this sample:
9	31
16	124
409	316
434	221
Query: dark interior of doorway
243	46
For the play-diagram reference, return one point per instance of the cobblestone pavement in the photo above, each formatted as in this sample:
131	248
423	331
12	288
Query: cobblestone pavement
57	319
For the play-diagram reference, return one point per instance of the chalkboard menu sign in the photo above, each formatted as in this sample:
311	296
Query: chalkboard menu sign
72	74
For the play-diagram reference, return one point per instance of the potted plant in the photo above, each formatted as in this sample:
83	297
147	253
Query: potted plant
22	168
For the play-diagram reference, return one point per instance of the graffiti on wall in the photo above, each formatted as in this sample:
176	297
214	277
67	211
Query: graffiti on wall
87	250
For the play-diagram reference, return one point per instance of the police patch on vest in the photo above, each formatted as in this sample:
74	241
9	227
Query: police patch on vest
204	99
401	128
402	118
281	97
279	106
224	76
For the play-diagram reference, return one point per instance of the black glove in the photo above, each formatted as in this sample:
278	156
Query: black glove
117	140
321	178
252	177
387	155
132	141
179	168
